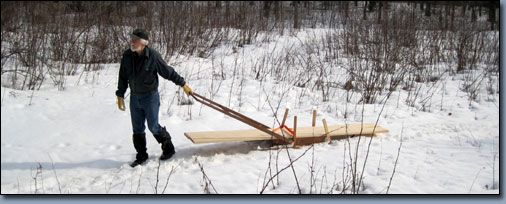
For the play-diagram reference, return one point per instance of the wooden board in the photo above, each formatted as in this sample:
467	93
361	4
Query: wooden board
303	133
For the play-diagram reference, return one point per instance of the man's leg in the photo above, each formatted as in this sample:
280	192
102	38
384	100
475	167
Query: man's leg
162	136
139	137
137	115
151	107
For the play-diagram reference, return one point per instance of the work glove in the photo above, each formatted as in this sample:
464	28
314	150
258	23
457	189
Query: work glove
121	104
187	90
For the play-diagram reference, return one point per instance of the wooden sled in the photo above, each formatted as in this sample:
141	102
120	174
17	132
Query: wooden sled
304	135
281	135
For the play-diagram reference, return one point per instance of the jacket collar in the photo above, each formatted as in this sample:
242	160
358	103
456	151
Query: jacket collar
145	51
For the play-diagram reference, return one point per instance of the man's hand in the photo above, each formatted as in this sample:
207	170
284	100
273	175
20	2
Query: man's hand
187	90
121	104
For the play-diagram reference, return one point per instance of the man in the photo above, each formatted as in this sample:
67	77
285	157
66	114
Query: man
139	69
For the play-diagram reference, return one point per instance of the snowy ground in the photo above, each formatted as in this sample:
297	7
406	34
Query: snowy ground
88	140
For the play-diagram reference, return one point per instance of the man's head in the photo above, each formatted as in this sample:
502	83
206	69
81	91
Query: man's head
139	40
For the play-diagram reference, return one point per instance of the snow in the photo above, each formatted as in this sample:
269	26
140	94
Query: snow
451	149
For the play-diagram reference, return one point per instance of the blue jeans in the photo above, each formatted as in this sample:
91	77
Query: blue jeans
142	108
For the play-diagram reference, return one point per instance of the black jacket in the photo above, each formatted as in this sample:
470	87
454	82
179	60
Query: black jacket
144	79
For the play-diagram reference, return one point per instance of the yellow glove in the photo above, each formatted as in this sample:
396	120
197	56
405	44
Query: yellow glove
187	90
121	104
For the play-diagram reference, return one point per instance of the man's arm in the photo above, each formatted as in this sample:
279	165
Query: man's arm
168	72
122	81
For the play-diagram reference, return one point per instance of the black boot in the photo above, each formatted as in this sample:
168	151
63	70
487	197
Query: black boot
140	147
167	146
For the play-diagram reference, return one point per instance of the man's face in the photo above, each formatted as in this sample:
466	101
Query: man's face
135	44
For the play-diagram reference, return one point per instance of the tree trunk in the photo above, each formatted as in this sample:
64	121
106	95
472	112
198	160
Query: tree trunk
473	14
491	16
266	9
365	10
452	16
464	10
380	9
372	5
276	11
427	9
346	9
447	13
296	14
227	12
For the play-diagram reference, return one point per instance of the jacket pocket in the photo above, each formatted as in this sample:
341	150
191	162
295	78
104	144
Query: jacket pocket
150	79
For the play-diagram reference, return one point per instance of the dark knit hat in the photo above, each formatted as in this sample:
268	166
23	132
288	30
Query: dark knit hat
141	33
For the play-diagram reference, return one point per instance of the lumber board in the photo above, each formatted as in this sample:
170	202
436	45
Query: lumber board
303	133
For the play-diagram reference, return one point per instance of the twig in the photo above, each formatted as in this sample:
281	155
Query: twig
112	180
381	154
370	140
157	176
167	181
475	180
205	178
31	97
355	185
397	159
289	165
122	186
139	184
493	172
18	185
269	169
283	134
54	170
3	96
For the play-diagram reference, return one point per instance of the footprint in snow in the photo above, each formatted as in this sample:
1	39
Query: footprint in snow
114	147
